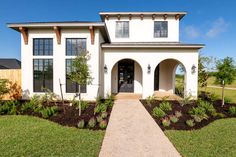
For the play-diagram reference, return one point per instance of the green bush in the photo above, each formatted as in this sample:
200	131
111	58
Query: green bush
47	112
81	124
173	118
178	114
232	110
190	123
207	106
157	112
165	122
227	100
212	97
99	118
104	115
9	107
165	106
84	104
110	100
92	122
185	101
150	100
198	113
100	108
103	124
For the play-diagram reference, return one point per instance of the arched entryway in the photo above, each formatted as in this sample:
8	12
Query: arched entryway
126	76
165	76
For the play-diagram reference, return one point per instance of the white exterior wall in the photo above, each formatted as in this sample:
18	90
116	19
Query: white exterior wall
152	57
143	30
59	57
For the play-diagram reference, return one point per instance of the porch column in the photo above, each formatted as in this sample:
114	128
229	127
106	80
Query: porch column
148	82
192	82
107	81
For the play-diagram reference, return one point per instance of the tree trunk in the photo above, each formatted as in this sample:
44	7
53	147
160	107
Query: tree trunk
79	101
62	98
223	95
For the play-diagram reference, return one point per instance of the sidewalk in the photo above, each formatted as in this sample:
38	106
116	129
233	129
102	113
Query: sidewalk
132	132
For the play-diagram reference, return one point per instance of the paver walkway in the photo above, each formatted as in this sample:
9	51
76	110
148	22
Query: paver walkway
133	133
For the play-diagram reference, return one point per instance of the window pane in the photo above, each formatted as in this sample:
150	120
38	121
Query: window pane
72	87
122	29
42	47
160	29
75	46
43	74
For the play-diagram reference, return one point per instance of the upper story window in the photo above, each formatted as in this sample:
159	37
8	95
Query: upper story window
122	29
43	47
74	46
160	29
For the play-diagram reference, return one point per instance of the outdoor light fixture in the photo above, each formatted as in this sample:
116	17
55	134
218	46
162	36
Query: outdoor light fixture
105	68
194	69
149	69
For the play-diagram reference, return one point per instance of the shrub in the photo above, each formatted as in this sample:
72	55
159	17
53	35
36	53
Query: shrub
84	104
103	124
190	123
99	100
9	107
212	97
165	122
157	112
99	119
110	100
4	89
185	101
227	100
81	124
232	110
198	113
104	115
178	114
150	100
207	106
179	90
92	122
100	108
47	112
166	106
173	118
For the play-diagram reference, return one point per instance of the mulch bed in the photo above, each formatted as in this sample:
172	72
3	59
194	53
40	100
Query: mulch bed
71	115
181	124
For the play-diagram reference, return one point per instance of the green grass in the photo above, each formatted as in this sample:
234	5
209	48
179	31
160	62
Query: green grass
31	136
211	82
215	140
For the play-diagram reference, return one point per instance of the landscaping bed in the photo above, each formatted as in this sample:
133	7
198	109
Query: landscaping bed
186	114
94	115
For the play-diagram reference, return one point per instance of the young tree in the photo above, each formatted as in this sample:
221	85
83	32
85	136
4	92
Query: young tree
80	73
4	89
202	71
226	73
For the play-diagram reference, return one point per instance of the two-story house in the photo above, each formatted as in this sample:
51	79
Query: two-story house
134	52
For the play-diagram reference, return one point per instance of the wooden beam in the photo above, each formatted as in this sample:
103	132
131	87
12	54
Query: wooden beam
130	16
165	16
177	16
141	16
91	29
24	32
118	16
107	17
57	30
153	16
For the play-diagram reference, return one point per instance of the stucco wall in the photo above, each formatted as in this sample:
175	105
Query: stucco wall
59	57
143	30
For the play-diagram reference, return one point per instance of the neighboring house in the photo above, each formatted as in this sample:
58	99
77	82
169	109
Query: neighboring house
9	63
135	52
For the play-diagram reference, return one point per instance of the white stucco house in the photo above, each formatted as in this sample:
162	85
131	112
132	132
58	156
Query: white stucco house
134	52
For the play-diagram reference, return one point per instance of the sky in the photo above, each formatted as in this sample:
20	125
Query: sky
209	22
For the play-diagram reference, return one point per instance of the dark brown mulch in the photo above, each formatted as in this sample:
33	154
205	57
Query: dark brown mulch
71	115
181	124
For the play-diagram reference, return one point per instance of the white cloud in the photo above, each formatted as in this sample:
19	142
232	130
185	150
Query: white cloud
218	26
191	32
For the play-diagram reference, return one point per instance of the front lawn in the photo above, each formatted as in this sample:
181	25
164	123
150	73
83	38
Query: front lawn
31	136
215	140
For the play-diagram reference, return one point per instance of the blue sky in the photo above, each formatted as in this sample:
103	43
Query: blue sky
209	22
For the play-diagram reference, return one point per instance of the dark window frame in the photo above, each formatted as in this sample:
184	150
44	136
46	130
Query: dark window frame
163	32
44	50
71	51
123	35
74	87
44	74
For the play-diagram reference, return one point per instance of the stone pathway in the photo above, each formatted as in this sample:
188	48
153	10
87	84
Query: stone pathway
133	133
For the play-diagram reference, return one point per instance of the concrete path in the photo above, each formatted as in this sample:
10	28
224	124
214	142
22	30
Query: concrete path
229	88
132	132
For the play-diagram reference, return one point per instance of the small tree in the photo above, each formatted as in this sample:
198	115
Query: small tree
80	73
226	73
202	71
4	89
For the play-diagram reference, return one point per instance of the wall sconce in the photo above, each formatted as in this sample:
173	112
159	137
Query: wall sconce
149	69
193	69
105	68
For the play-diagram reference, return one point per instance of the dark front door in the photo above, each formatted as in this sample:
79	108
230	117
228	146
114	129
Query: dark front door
126	76
156	78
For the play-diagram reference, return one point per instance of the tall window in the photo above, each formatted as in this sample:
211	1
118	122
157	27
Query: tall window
74	46
160	29
43	74
43	47
72	87
122	29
